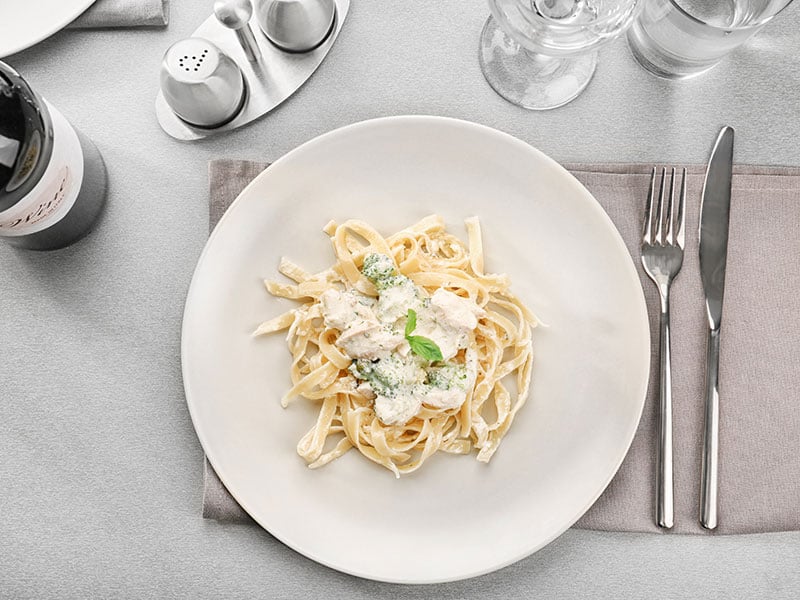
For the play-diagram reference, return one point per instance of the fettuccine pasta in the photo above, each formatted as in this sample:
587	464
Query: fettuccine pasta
406	344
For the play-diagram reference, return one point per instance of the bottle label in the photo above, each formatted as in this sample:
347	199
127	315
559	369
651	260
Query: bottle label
55	194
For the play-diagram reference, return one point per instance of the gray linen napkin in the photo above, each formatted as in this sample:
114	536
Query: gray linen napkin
123	13
759	364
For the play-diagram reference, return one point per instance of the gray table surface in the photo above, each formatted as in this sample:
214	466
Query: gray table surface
100	469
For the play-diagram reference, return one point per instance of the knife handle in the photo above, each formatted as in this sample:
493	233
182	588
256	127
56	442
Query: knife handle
708	487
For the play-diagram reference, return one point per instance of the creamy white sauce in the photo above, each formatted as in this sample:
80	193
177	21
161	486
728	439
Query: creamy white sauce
397	410
373	334
449	321
394	302
363	335
369	340
438	398
342	309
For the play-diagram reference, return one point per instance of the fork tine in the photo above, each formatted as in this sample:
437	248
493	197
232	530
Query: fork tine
660	208
680	238
669	221
647	236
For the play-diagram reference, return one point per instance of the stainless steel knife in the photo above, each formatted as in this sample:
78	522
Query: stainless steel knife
714	219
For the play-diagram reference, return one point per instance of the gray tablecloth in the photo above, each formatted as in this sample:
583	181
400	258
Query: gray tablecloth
101	470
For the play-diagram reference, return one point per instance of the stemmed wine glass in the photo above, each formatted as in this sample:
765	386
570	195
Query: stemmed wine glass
541	54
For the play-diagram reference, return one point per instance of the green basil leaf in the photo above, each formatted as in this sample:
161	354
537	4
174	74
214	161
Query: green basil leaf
424	347
411	321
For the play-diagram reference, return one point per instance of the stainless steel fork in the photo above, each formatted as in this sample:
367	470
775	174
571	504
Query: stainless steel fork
662	258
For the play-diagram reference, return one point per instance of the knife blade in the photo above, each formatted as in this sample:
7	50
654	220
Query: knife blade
714	217
714	223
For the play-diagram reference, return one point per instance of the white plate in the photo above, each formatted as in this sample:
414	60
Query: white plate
455	518
24	23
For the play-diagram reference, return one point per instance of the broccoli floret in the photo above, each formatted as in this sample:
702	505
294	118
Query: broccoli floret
382	380
379	269
389	376
447	376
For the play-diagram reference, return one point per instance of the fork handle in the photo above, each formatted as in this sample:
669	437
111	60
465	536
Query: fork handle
708	486
664	484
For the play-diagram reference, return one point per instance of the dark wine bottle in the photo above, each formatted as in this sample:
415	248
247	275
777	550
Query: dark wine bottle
53	180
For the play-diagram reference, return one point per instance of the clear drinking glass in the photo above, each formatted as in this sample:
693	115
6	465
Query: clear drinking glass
683	38
541	54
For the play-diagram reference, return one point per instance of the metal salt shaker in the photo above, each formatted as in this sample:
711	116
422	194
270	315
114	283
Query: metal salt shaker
52	178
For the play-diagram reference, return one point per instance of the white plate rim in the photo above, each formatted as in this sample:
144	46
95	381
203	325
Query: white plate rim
75	9
641	317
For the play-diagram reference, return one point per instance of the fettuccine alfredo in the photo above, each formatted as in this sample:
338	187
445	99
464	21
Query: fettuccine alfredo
406	344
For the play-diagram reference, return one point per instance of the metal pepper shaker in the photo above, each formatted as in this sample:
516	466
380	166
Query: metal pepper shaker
53	180
296	25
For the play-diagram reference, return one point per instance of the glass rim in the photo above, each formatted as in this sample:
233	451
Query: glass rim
555	25
755	23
